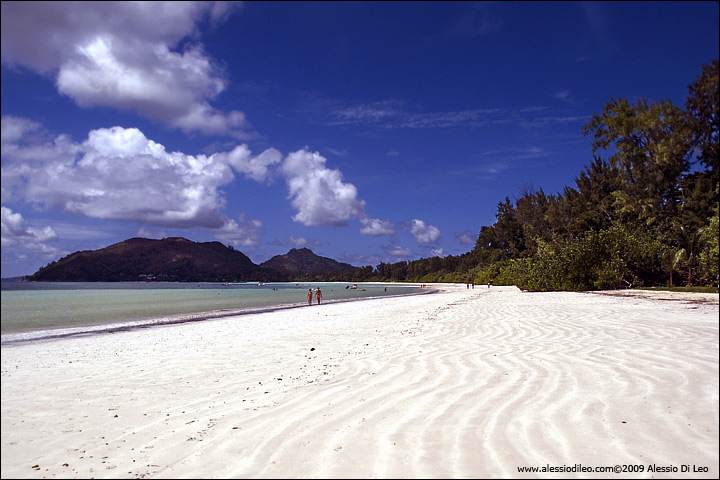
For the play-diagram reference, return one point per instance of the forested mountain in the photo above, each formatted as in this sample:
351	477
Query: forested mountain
169	259
182	260
303	260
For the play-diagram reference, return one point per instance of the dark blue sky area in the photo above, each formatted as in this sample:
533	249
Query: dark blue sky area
366	131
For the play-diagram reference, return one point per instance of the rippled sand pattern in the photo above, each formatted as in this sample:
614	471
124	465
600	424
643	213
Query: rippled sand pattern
466	383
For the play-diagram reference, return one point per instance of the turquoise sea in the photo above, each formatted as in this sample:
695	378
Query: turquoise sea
40	310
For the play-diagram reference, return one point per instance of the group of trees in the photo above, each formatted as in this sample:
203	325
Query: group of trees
644	211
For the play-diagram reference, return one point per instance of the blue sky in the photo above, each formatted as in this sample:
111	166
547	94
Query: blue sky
367	131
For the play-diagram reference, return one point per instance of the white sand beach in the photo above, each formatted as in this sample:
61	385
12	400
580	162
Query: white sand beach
461	383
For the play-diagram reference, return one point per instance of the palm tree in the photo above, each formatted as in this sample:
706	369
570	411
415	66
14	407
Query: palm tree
689	247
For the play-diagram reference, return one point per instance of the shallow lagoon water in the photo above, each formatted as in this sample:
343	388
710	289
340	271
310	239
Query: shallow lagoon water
34	310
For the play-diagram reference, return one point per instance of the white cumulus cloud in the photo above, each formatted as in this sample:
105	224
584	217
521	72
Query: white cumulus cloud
398	251
438	252
258	168
20	240
467	237
119	174
122	55
423	233
318	192
376	227
14	230
245	233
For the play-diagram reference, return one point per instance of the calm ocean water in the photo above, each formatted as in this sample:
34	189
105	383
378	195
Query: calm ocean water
37	310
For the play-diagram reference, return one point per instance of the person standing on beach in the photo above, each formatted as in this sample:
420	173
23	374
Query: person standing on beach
309	296
318	295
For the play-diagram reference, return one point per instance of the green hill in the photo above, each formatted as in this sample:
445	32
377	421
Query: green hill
304	261
169	259
178	259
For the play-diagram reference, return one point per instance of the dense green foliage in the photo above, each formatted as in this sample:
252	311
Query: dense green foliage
681	289
178	259
141	259
644	212
304	261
